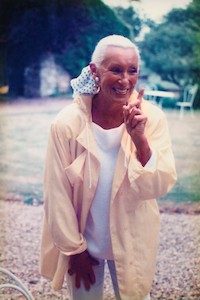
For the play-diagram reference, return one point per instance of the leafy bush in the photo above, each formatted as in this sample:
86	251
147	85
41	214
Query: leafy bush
31	29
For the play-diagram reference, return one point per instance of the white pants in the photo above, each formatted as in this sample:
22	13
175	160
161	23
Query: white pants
96	290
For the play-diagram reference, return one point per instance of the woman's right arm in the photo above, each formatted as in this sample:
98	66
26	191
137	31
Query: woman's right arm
58	193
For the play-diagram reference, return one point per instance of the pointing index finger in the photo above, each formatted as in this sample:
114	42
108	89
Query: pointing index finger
140	95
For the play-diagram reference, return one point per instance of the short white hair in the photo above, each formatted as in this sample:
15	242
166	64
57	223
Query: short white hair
111	40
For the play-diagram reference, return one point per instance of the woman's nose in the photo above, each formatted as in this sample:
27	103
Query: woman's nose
124	80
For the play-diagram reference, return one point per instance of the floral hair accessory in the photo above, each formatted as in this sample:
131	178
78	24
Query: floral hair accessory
84	83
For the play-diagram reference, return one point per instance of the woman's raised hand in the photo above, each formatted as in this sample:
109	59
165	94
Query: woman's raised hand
134	118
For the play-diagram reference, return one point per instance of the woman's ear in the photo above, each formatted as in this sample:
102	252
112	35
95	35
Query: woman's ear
94	70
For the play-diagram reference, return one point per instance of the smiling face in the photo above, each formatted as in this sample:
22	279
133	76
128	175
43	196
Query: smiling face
118	74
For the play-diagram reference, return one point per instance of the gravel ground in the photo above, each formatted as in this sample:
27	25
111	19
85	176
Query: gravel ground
178	267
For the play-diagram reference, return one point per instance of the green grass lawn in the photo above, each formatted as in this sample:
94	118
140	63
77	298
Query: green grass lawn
185	134
24	131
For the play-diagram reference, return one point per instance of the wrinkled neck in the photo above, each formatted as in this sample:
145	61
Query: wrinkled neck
107	116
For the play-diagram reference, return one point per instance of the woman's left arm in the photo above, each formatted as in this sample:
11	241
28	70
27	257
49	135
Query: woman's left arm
156	180
135	121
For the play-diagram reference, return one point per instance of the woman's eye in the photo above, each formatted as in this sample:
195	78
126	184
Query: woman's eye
116	70
133	71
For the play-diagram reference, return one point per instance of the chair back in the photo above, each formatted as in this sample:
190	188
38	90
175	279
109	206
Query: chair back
151	98
190	93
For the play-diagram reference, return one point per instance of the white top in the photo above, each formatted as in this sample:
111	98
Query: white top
97	232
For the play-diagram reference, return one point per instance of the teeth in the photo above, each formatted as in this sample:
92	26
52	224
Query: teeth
122	92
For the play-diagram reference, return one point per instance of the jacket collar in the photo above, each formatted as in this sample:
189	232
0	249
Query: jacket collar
86	139
85	104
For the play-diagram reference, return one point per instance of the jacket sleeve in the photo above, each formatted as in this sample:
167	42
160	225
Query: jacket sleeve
58	193
156	181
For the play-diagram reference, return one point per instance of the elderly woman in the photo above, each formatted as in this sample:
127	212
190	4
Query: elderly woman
109	157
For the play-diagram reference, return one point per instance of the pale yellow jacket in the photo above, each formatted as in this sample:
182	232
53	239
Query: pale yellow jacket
71	178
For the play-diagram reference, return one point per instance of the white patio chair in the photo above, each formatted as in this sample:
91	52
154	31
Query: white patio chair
188	99
17	285
151	98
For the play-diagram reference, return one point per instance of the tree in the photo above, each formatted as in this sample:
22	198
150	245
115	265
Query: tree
171	48
130	19
166	51
68	29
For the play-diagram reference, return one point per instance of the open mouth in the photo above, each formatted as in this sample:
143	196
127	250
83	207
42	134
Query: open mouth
121	91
